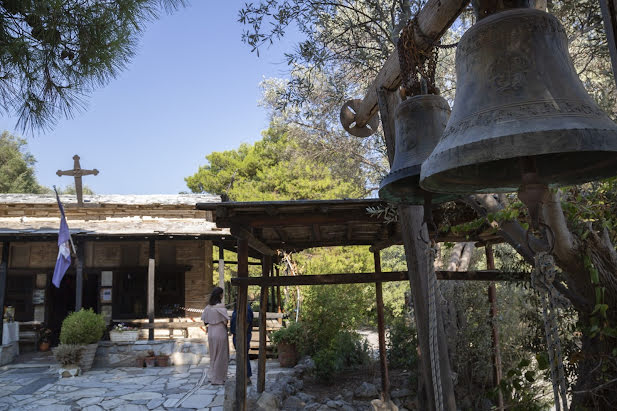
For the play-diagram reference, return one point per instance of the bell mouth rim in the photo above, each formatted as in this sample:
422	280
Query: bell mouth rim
415	196
600	164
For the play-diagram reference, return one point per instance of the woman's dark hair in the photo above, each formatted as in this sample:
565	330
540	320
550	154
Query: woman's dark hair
216	296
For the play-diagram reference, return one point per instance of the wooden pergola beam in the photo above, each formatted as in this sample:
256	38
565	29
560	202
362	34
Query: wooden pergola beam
359	278
433	20
253	242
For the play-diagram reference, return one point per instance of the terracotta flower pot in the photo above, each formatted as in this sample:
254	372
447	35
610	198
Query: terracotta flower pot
162	360
44	346
288	355
150	361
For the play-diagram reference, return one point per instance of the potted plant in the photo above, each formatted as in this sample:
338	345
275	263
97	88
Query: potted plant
83	327
69	356
44	337
150	359
162	360
287	341
123	333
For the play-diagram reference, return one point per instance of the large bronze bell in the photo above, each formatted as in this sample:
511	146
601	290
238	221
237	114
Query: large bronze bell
419	123
519	107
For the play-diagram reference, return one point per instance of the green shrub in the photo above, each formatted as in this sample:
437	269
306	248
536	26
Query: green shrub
82	327
402	344
68	354
346	350
292	334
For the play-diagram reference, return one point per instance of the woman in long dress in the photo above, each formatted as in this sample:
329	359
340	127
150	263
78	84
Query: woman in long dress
215	316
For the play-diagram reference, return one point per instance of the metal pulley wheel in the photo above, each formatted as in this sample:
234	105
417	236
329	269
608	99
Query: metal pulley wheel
348	120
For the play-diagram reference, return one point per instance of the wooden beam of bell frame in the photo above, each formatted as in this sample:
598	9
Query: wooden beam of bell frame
358	278
433	20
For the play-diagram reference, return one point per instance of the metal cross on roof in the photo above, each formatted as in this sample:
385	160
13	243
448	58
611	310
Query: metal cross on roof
78	173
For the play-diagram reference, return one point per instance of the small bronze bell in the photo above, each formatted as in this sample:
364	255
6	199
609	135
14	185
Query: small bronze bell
519	101
419	122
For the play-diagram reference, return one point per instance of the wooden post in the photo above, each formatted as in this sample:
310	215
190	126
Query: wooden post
4	268
492	299
385	378
150	307
266	262
79	276
412	230
278	296
222	269
243	271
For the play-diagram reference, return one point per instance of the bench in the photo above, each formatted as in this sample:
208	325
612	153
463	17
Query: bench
29	333
163	325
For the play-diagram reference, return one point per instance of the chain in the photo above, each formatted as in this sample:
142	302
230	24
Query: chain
432	329
415	63
542	278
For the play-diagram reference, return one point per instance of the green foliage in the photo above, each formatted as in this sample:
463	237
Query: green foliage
292	334
402	344
16	166
54	52
274	168
70	189
519	388
82	327
345	350
68	354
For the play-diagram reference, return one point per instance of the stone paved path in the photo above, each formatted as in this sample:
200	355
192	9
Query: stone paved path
122	389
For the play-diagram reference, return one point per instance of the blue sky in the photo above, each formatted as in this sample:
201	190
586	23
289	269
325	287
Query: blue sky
192	88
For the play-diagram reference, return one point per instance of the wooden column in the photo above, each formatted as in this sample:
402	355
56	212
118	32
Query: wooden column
79	276
222	269
150	306
385	378
243	272
266	265
278	296
492	299
4	268
412	230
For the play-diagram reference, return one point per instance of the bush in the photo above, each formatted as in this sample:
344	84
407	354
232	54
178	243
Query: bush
346	350
292	334
68	354
402	344
82	327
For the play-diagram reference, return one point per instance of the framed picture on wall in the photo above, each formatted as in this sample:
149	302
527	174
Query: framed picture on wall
107	278
105	295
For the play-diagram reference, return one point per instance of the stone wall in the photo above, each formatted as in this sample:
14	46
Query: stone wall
8	352
125	354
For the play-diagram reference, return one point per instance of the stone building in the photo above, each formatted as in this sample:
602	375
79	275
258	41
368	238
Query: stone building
117	238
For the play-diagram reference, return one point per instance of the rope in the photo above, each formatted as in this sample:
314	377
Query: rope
542	278
432	330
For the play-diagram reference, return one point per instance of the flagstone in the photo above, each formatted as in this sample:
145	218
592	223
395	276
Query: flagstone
147	395
88	392
155	403
197	401
112	403
89	401
131	407
92	408
170	402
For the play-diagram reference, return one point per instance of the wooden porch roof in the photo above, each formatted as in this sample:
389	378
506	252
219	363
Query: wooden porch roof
301	224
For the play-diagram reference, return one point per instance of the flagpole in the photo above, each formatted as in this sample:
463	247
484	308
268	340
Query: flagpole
70	238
